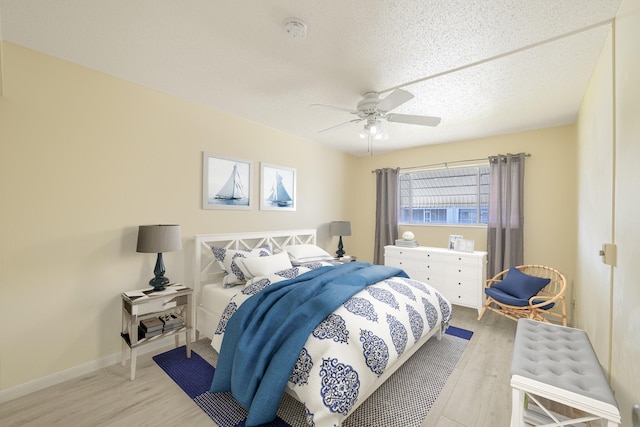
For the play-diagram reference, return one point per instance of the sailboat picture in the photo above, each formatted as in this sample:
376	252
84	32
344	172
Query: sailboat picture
233	189
277	188
226	182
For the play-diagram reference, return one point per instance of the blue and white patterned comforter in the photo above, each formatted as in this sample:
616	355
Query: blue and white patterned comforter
357	343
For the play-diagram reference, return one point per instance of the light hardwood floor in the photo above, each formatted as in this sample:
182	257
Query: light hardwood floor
476	395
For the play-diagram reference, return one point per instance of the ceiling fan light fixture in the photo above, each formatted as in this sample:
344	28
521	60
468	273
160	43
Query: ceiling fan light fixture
374	129
381	136
374	111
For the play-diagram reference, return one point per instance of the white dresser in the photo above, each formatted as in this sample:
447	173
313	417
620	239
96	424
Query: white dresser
459	276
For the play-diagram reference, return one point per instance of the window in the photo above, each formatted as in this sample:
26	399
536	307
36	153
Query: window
444	196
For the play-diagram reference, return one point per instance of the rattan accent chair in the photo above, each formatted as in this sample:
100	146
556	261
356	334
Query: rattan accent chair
538	307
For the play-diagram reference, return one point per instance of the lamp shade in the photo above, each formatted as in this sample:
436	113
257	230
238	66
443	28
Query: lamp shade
159	238
340	228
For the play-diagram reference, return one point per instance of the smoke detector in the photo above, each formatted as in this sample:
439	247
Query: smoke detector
296	28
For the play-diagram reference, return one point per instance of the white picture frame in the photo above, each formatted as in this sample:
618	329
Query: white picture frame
464	245
277	188
226	182
452	240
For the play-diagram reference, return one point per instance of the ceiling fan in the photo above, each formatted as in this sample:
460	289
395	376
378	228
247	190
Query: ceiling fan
373	110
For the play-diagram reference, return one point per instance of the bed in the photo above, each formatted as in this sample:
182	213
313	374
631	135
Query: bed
364	340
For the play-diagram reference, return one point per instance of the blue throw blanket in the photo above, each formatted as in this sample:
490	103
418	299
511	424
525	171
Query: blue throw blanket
265	335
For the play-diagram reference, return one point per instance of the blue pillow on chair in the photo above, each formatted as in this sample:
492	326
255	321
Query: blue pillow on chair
509	299
505	298
520	285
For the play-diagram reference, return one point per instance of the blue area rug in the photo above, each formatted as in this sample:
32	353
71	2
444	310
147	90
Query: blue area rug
459	332
425	373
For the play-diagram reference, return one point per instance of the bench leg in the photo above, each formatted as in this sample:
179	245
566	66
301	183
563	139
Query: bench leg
517	408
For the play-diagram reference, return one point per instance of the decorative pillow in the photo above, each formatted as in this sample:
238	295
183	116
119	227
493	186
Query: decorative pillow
505	298
227	260
261	266
520	285
299	254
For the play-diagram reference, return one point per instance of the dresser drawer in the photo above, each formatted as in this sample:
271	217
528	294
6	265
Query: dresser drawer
396	251
419	253
464	259
462	296
461	270
393	261
433	279
420	266
404	262
410	266
416	268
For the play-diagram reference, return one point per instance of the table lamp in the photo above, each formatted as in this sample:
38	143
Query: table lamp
340	228
158	239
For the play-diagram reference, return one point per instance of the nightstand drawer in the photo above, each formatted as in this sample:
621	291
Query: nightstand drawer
153	307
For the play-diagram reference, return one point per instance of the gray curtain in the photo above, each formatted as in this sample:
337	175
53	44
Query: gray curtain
505	229
386	211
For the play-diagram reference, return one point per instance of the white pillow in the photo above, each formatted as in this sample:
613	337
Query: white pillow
300	254
228	260
261	266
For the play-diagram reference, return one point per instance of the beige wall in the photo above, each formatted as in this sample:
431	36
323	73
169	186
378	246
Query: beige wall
84	159
595	206
625	343
608	298
550	202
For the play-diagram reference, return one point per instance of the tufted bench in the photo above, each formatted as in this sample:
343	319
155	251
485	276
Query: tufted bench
558	363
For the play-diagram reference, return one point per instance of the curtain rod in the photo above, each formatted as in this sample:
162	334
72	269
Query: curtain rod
446	164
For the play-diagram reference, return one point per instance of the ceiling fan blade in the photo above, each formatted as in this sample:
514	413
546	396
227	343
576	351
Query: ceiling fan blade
414	120
340	125
394	99
334	108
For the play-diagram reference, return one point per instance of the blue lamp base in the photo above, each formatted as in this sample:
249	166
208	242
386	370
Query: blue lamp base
340	251
159	281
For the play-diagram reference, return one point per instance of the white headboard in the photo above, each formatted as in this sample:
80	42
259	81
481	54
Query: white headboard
206	268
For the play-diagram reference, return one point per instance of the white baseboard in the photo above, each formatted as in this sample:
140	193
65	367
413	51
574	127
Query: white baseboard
74	372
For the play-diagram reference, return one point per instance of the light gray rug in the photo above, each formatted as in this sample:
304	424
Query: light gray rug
402	401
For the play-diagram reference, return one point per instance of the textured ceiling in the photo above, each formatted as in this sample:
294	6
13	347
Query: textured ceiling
487	67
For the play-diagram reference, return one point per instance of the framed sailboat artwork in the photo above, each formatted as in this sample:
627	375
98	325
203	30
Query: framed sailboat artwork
226	182
277	188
